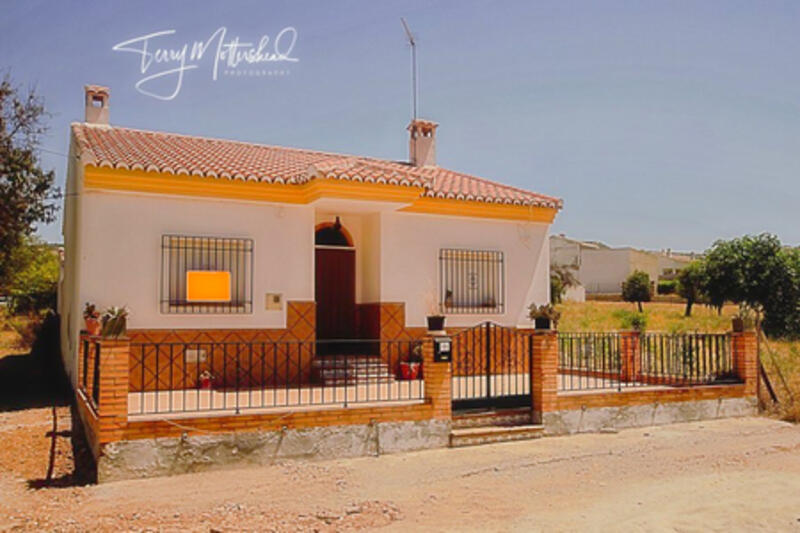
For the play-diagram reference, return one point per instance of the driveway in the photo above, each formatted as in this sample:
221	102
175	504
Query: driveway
735	474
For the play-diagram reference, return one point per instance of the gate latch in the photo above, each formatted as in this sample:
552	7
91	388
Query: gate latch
442	349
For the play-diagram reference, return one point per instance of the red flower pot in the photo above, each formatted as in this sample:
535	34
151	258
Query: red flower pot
409	370
206	383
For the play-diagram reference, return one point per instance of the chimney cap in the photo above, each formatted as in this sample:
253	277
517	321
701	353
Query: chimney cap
97	89
422	124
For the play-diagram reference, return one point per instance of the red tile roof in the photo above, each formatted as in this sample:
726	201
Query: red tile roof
116	147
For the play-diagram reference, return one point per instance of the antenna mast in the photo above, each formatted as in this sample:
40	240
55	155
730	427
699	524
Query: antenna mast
413	44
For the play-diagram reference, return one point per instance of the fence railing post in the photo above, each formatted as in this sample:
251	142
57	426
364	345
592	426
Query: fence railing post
112	394
630	356
438	382
544	373
745	359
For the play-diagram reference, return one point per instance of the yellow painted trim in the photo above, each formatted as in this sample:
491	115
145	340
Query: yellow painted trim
465	208
159	183
114	179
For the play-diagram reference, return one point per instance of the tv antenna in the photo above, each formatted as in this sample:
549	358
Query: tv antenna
413	44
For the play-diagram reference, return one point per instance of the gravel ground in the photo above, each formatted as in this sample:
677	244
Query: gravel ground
741	474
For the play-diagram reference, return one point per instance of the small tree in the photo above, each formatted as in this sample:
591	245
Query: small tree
637	288
690	284
561	278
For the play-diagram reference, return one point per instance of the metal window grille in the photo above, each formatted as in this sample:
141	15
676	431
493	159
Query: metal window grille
181	254
471	281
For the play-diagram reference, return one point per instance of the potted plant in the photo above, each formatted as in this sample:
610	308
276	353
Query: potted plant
206	380
409	369
114	322
435	318
544	316
91	316
743	320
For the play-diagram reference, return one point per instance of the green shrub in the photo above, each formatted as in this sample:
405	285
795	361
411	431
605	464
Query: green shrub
633	320
637	288
667	286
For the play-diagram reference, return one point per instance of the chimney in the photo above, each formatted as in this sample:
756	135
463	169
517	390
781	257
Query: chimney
96	104
422	143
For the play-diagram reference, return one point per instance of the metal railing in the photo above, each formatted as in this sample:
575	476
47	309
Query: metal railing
180	377
589	361
687	359
89	371
615	361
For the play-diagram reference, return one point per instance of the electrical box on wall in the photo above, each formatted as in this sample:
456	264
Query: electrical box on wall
274	302
195	355
442	349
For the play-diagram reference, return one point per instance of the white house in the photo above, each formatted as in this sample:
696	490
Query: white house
196	234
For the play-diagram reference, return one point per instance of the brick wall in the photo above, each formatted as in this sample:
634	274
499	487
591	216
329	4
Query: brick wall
108	422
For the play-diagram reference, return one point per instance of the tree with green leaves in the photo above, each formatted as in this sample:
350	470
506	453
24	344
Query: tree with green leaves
637	288
27	192
33	285
755	271
724	277
690	284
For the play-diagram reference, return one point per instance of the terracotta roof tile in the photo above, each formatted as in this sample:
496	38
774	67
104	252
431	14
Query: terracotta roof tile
116	147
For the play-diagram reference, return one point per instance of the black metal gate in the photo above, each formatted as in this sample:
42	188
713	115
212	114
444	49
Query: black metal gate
491	367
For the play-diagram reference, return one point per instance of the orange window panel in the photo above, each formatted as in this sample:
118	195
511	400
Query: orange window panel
208	286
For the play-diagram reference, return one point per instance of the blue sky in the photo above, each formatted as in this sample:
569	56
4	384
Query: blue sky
661	124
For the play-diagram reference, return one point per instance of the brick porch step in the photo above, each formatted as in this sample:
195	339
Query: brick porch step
486	427
351	370
501	417
473	436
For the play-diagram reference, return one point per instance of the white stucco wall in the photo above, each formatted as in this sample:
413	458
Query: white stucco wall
603	271
121	263
114	257
410	245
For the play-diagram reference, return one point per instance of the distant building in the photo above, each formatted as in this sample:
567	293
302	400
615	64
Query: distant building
601	269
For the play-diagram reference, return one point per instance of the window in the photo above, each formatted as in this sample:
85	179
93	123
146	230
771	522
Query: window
206	275
471	281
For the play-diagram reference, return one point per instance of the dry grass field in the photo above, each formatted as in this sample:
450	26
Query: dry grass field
781	358
661	316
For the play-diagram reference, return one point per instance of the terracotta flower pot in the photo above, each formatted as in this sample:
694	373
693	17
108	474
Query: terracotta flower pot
93	326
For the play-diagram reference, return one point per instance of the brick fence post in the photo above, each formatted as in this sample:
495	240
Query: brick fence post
630	355
745	359
438	383
112	404
544	373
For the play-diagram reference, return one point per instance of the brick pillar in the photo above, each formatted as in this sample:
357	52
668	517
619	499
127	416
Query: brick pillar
438	383
112	406
630	356
544	372
745	359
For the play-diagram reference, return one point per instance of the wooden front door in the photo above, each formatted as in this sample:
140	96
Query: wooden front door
335	293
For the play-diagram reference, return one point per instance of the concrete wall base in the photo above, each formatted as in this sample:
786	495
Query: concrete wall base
169	456
654	414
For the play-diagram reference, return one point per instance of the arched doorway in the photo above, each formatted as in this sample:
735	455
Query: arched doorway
335	282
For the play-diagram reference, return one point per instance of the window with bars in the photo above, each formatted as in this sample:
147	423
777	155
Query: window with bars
471	281
206	274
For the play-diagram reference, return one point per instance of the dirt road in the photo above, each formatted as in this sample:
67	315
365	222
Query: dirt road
726	475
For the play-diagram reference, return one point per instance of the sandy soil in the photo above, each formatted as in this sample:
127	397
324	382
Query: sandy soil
725	475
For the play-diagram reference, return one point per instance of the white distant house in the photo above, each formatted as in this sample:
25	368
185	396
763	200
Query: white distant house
601	269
